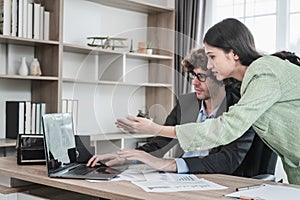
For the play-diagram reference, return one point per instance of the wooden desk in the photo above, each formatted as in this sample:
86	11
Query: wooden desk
7	143
117	189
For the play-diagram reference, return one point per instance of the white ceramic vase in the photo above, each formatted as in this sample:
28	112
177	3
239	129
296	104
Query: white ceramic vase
23	69
35	68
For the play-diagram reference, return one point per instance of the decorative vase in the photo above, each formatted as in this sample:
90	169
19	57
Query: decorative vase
23	70
35	68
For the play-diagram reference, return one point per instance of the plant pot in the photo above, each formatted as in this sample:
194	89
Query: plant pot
149	51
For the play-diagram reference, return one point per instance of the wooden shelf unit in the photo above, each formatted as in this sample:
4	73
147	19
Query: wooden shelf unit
45	88
48	87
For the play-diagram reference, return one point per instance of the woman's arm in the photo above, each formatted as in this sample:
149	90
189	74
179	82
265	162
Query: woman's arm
146	126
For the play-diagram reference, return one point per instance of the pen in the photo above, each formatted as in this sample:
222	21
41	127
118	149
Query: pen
246	198
249	198
249	187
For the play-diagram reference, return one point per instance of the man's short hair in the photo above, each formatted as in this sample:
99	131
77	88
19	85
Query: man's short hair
197	59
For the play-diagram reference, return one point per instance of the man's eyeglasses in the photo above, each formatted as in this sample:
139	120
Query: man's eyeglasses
200	77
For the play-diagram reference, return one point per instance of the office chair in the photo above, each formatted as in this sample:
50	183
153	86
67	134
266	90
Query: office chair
259	163
84	150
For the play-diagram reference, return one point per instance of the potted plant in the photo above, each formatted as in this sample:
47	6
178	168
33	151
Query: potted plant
149	48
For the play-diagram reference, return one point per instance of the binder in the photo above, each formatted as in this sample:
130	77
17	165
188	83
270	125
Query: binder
15	118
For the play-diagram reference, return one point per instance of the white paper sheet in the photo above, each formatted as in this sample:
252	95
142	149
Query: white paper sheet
171	182
269	192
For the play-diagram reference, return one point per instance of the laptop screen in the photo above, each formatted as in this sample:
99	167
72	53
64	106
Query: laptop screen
60	143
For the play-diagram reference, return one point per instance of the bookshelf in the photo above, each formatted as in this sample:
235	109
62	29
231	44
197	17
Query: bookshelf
45	88
115	80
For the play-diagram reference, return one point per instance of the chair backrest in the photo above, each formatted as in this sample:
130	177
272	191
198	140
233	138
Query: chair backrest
260	159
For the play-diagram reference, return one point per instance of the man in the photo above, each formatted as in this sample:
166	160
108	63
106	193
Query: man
209	100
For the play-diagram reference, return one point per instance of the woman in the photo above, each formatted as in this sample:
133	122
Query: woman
270	99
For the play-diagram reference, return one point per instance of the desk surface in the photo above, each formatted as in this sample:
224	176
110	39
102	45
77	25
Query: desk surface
117	189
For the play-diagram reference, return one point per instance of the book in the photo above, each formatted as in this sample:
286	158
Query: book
40	111
46	25
21	118
5	20
15	118
33	116
14	17
20	18
25	17
36	21
42	9
37	118
29	20
43	111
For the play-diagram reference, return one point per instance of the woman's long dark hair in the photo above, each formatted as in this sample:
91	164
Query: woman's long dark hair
231	34
286	55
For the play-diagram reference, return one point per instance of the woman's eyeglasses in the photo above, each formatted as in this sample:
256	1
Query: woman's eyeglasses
200	77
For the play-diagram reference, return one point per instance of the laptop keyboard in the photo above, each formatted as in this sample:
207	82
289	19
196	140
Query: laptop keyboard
81	170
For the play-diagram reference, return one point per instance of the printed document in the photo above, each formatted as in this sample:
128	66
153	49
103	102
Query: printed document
171	182
268	192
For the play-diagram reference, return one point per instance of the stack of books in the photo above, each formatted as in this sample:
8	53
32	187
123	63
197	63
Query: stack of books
24	18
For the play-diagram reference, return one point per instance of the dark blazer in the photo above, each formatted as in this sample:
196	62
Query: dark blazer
226	159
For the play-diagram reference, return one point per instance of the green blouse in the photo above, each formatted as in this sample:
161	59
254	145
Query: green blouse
270	103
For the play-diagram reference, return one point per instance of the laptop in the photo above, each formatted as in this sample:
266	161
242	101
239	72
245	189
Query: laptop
61	152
